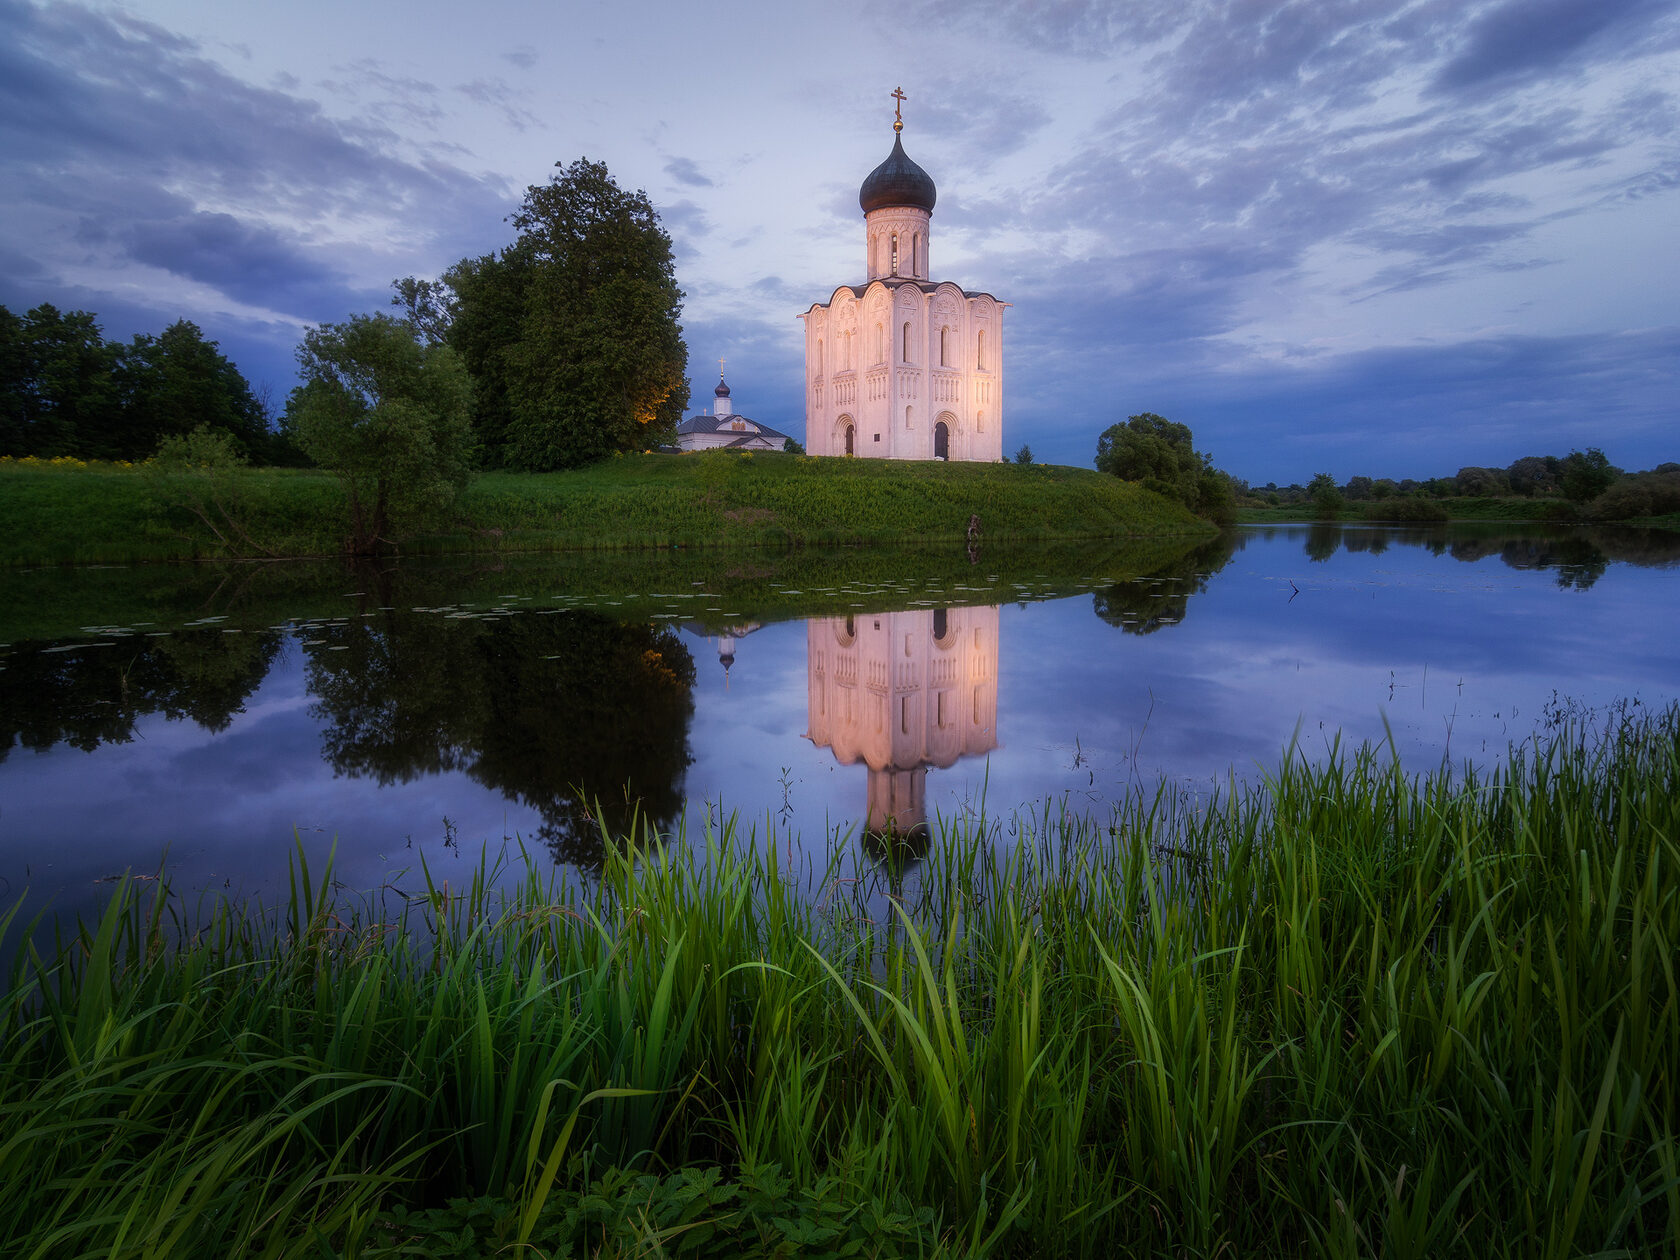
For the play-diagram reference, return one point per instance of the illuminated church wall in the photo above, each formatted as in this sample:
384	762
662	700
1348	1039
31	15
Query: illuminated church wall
902	692
902	367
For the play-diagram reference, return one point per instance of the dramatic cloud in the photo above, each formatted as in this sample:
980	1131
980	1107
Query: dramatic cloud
128	151
1325	233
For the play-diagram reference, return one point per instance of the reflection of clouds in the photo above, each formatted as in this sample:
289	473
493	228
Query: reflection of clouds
1460	656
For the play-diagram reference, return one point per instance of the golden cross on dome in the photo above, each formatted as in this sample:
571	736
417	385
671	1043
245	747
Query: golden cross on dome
720	367
898	110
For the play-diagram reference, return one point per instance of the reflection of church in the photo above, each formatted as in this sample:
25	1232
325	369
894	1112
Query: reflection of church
900	692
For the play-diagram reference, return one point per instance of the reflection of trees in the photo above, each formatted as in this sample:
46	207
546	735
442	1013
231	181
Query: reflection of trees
94	695
559	711
1161	598
1322	541
1579	556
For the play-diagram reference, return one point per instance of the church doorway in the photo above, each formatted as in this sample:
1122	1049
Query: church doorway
849	433
941	441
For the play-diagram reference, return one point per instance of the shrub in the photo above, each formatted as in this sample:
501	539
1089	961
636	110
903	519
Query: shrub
1403	508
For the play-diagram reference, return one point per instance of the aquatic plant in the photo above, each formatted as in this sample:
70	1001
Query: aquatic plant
1346	1012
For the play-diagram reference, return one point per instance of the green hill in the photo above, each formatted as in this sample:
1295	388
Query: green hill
110	513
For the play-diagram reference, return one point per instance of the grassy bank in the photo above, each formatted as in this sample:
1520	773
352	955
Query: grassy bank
1345	1014
114	514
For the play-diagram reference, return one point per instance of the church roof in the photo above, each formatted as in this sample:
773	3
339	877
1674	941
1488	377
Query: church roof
898	182
897	282
704	423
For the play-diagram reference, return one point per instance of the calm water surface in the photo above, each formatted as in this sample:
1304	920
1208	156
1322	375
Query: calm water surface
215	728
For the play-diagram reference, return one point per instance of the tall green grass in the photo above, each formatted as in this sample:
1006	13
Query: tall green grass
1346	1012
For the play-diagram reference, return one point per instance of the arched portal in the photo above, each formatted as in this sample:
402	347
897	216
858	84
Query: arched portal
941	441
844	435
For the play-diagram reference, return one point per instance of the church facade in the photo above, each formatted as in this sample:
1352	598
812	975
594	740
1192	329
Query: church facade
724	428
902	367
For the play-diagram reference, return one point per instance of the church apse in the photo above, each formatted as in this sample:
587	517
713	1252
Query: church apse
903	692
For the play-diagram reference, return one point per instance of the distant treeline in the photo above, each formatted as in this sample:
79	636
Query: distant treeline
67	391
1581	484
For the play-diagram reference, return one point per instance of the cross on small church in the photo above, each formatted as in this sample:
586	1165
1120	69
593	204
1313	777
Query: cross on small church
898	110
720	367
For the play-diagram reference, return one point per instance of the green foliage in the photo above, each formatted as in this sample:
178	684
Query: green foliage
1161	454
571	333
1326	498
1586	475
793	446
65	390
696	1212
203	472
1344	1012
427	305
1405	509
60	393
1638	496
1024	455
389	417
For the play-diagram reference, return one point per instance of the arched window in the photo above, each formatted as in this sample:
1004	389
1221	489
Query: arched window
918	255
895	253
908	423
980	422
848	362
944	338
880	344
980	358
906	341
819	356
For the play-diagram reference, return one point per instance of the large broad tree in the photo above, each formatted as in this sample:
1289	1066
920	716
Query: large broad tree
1161	454
390	417
571	333
65	390
177	383
59	394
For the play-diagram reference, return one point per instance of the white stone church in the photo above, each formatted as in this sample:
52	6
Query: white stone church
901	367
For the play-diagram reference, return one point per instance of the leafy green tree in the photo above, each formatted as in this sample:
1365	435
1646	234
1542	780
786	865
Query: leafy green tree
1024	455
1482	482
1154	450
793	446
59	391
177	383
1326	496
428	305
1586	475
1161	454
485	326
572	333
390	417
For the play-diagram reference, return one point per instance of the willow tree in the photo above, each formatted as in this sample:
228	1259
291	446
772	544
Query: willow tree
391	418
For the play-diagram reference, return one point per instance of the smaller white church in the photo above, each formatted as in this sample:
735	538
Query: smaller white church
723	428
902	367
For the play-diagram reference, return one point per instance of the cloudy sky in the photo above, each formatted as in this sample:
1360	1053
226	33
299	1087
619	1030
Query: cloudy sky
1387	237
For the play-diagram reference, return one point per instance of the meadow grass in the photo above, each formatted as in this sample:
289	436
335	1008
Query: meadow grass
109	513
1344	1012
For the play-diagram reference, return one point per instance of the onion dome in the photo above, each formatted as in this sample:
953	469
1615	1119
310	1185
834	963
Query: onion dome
722	390
898	182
